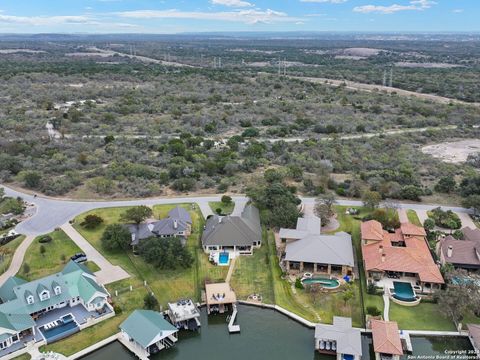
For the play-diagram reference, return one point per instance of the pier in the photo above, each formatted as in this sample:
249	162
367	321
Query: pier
231	327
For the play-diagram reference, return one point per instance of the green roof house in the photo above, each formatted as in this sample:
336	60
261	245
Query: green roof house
146	332
23	303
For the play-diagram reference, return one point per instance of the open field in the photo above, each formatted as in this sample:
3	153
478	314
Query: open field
453	152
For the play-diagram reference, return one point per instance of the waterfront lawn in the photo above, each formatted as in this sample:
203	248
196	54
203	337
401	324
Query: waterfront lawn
57	253
425	316
167	285
252	275
226	209
7	252
413	217
208	271
282	289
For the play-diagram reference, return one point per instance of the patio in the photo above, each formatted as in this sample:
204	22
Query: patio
19	345
388	282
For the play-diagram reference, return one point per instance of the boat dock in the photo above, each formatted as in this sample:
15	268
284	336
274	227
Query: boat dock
140	353
231	327
406	341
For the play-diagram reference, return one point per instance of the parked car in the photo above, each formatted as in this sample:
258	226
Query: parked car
79	257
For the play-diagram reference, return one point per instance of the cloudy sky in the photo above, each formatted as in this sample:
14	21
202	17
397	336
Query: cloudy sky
168	16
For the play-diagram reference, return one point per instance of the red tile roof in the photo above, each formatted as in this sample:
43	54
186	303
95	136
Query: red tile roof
372	230
386	339
415	257
412	230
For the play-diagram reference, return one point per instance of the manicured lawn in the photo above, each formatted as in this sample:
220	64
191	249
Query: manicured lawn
7	252
226	209
51	261
252	275
23	357
413	217
92	266
282	289
425	316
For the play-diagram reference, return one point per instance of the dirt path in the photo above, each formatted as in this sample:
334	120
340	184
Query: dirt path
379	88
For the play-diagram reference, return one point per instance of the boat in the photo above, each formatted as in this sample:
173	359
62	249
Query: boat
322	345
327	345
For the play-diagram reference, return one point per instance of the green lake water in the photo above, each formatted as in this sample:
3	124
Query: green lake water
265	334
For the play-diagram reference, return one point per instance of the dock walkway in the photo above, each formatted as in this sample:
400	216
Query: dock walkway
231	327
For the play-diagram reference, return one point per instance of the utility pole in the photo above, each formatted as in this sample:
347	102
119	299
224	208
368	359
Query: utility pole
284	67
384	77
391	76
279	67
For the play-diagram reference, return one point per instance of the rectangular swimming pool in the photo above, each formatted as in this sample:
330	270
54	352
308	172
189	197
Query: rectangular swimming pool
64	329
223	258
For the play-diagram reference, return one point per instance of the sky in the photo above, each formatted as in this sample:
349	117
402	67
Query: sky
169	16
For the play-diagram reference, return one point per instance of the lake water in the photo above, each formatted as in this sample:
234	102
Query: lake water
265	334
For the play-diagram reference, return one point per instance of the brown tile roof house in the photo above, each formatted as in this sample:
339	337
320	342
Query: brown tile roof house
464	254
471	234
371	230
386	338
413	256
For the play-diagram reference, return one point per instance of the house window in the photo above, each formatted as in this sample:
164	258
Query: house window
44	295
30	299
58	290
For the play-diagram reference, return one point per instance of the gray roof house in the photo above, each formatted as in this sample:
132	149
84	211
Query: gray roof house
240	233
463	254
178	224
347	340
322	249
308	250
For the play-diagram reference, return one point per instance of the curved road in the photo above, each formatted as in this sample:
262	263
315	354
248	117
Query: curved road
53	213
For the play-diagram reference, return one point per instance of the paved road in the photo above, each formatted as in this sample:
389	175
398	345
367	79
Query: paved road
108	273
53	213
17	259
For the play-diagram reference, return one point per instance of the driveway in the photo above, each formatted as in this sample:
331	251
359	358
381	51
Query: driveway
466	220
402	215
108	273
17	259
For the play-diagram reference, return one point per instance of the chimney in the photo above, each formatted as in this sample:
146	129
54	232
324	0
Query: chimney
150	226
175	224
450	251
383	257
380	249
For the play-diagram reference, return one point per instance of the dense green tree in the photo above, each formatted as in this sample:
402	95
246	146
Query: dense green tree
116	237
150	302
446	184
165	253
32	179
371	199
137	214
91	221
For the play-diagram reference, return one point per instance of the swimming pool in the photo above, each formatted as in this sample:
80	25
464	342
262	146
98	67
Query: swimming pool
404	291
223	258
64	329
325	282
